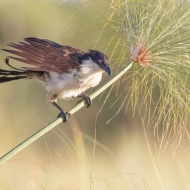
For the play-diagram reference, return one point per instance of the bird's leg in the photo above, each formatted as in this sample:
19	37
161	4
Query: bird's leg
86	98
62	113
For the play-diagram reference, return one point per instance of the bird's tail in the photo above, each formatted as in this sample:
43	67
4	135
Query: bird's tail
6	76
16	74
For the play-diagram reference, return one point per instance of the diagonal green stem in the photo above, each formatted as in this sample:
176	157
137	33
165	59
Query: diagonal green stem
53	124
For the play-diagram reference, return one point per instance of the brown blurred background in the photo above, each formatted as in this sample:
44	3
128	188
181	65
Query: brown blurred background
65	158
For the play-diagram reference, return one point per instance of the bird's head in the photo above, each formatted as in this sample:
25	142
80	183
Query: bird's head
98	58
101	60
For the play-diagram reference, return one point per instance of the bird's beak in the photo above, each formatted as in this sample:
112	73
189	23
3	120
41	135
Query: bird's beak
106	69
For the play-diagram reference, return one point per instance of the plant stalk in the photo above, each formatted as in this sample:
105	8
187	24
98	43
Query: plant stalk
53	124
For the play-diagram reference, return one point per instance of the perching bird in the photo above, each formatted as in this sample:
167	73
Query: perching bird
64	71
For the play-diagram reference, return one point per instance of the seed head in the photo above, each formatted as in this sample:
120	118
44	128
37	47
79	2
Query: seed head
140	54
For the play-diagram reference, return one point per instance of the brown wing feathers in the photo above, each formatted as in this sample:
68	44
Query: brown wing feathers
46	55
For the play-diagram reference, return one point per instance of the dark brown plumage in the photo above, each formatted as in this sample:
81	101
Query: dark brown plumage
46	55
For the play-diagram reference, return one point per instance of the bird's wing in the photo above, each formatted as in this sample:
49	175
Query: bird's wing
46	55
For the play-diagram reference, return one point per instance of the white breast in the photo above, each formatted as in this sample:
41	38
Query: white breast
75	82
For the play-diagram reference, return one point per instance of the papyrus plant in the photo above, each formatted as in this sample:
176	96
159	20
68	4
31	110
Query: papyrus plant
156	36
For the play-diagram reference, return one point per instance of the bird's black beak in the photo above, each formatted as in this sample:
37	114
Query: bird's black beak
106	68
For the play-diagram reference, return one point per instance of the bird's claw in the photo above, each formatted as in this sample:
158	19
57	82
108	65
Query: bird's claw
87	100
64	115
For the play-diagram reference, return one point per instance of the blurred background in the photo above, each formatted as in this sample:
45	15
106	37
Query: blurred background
85	152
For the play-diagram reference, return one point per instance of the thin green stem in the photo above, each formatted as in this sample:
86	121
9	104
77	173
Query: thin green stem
53	124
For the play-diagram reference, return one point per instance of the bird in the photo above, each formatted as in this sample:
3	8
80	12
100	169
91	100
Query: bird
65	72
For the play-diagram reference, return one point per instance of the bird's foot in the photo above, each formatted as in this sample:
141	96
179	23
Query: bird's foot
64	115
87	100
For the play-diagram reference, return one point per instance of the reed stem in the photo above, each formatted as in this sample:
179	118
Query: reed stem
53	124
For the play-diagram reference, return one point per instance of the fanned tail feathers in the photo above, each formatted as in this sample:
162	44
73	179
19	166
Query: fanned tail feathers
8	79
16	74
6	76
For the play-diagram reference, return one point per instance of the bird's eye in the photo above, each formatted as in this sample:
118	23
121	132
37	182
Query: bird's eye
100	61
